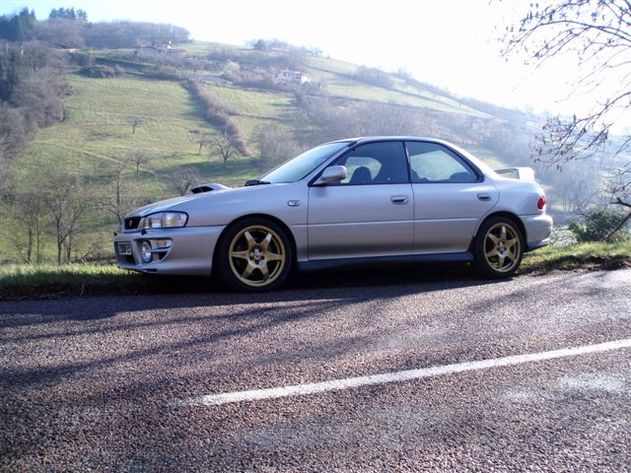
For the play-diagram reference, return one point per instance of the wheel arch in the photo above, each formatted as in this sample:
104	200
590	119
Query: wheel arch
276	220
502	213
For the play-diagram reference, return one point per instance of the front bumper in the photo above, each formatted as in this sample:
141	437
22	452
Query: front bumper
191	251
538	230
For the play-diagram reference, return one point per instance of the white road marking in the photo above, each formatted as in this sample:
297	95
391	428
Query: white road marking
398	376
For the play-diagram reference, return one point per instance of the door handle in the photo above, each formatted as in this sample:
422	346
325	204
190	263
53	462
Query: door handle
484	197
399	199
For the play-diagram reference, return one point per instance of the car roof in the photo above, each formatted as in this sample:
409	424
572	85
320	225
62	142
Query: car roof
370	139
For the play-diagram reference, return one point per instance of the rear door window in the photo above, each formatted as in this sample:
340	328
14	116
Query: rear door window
432	162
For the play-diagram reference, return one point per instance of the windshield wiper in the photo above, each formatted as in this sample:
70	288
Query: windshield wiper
255	182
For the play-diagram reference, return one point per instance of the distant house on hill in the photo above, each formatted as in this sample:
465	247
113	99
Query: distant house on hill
292	77
159	48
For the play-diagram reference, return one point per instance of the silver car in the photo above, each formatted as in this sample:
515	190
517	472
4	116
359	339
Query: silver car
351	201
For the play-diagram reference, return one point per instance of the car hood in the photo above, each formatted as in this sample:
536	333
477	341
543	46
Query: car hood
168	204
222	206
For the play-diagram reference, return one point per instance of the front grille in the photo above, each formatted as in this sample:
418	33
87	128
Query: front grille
131	223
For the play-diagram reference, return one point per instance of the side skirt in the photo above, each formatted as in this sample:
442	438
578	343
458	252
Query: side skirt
403	259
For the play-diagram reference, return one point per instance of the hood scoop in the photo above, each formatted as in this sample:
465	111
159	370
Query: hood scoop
211	186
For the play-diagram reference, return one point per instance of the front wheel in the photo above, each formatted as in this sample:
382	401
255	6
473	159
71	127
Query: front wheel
499	248
254	256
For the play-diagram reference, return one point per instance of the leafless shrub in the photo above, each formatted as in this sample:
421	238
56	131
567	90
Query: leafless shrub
276	145
218	115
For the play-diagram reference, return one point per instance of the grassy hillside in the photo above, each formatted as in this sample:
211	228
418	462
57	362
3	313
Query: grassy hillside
97	135
254	109
98	129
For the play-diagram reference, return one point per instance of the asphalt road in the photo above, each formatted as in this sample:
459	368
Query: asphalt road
109	383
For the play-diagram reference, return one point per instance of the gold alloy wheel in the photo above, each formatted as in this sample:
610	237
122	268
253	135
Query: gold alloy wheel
502	247
257	256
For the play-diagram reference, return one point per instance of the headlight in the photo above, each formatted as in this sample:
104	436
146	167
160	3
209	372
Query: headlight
164	220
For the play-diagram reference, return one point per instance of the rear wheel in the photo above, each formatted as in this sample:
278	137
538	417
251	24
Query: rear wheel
254	256
498	248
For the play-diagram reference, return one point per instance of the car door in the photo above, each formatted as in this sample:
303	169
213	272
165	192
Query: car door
367	214
450	198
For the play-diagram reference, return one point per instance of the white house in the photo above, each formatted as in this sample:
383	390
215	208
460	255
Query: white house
287	76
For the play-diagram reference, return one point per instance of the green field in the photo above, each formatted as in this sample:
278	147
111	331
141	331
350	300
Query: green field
253	109
252	102
98	130
98	126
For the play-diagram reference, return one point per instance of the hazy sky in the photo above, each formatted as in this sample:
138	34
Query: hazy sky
453	44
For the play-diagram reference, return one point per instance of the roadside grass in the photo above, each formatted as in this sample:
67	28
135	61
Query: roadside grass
582	256
18	281
50	281
45	281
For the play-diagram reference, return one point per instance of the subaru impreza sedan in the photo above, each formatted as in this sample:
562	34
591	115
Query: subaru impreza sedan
348	202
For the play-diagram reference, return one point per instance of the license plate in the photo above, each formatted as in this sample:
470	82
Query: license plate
123	248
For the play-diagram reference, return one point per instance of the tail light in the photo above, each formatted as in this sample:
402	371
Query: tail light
541	204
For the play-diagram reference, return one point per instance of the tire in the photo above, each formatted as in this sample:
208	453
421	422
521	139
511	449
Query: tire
254	255
498	248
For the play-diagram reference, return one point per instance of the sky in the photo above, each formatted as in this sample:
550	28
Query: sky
453	44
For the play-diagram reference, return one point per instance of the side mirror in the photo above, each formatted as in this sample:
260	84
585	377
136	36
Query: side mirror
332	174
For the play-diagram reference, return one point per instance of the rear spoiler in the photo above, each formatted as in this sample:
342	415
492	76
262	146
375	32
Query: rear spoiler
523	173
211	186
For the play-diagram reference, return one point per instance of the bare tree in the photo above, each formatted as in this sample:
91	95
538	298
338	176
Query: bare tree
29	212
598	34
139	158
121	195
67	201
620	188
200	137
224	147
135	122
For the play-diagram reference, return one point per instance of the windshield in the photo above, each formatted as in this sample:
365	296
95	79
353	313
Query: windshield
298	167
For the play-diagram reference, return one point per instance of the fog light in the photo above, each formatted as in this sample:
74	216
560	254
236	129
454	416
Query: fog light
145	252
163	244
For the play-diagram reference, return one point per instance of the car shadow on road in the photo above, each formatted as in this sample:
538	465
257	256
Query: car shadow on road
223	316
171	292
